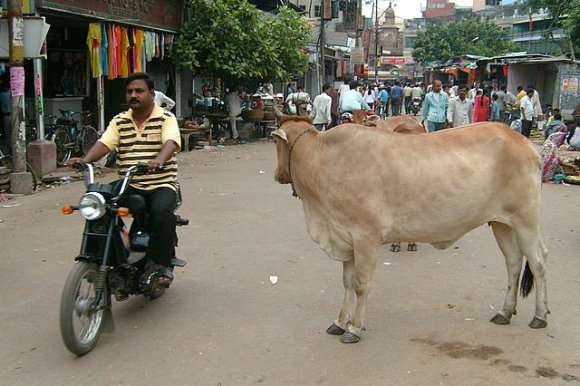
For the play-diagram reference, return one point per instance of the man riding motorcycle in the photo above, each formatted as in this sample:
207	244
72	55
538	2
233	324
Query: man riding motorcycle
146	134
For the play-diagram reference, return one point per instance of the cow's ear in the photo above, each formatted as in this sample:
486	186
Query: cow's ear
280	134
372	120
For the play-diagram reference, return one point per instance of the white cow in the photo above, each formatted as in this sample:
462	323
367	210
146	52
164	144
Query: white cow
362	187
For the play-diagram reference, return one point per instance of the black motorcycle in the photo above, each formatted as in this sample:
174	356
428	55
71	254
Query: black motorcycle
112	259
415	106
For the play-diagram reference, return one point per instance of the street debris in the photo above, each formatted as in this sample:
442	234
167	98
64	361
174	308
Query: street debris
273	279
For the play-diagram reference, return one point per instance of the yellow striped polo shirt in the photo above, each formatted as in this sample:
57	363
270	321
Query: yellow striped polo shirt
142	144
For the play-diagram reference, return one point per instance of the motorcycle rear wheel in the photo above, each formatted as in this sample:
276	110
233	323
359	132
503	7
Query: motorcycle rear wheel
80	324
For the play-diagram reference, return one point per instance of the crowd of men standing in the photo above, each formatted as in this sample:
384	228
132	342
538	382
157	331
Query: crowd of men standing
442	106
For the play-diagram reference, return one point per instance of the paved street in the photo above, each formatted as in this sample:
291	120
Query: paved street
223	322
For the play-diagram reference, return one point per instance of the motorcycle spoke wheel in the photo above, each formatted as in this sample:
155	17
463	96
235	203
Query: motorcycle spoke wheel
62	139
81	323
89	136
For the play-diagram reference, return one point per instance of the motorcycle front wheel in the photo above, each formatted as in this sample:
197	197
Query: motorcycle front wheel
81	322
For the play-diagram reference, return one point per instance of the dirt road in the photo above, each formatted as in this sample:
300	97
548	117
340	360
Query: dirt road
223	322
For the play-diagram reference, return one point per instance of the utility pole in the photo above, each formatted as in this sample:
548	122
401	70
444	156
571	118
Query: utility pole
20	180
376	41
322	43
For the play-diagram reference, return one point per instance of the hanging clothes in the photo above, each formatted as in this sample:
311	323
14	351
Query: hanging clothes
112	51
157	50
138	34
93	43
168	43
103	50
119	49
125	45
131	51
148	46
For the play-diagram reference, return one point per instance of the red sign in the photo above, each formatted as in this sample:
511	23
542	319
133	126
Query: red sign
157	14
396	60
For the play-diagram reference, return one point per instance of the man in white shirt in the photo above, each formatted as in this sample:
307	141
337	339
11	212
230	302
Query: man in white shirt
233	101
527	112
537	106
161	99
345	87
417	91
321	108
460	109
407	91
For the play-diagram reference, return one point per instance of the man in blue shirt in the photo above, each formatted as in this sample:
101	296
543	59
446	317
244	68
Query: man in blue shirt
352	100
396	98
435	108
383	110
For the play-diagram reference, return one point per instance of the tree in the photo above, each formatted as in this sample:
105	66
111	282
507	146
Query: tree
442	42
566	11
234	41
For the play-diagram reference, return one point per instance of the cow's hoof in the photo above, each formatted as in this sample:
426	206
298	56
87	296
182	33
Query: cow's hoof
538	323
335	330
349	337
395	248
500	319
412	247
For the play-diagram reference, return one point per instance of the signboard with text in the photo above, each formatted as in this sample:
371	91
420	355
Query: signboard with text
357	55
397	60
158	14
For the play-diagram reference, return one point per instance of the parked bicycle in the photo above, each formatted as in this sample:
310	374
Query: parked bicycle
69	140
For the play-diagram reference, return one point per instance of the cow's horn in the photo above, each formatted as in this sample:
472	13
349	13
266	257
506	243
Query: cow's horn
277	112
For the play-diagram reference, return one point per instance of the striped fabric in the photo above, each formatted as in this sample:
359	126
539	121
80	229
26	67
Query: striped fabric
143	144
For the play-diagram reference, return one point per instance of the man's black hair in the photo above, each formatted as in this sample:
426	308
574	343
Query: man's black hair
326	86
141	76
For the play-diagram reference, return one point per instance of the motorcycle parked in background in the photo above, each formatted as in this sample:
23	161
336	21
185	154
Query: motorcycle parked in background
112	259
415	106
346	118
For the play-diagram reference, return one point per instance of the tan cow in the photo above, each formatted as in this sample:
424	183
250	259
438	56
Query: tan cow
404	124
362	187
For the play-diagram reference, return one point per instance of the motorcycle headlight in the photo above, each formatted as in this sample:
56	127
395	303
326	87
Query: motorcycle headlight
92	206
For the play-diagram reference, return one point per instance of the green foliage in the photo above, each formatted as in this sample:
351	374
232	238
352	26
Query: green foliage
568	10
442	42
234	41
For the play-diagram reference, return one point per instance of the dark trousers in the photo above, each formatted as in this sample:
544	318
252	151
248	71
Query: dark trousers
335	120
396	105
407	104
161	203
526	128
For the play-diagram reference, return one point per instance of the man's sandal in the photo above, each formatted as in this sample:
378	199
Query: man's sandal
165	276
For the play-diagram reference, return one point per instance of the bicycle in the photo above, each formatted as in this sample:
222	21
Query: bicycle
7	167
68	139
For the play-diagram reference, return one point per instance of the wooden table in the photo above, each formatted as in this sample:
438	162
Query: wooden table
219	121
188	131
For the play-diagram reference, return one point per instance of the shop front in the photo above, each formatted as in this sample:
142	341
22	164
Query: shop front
93	46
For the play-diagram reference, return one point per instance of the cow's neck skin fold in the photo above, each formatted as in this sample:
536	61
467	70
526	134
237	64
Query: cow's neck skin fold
290	160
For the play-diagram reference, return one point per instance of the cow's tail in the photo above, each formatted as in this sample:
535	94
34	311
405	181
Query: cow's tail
527	281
